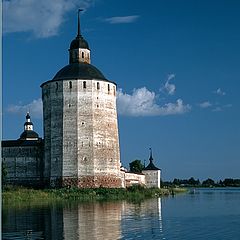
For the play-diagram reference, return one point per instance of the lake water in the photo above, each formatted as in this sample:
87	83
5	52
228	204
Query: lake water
209	214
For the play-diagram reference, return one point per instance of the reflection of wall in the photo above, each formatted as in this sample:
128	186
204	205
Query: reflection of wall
83	221
93	221
32	223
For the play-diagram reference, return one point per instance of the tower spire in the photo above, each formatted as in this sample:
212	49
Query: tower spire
150	158
79	29
79	51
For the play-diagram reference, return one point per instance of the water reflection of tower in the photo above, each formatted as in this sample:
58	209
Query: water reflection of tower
143	219
153	211
160	215
92	221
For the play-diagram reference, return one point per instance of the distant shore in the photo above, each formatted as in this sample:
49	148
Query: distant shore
192	182
13	194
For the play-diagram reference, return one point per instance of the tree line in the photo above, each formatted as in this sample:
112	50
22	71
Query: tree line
191	182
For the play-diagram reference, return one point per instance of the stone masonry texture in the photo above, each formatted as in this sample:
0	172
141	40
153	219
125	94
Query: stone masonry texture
81	133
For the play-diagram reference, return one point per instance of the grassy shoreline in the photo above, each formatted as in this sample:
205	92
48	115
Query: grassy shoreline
12	195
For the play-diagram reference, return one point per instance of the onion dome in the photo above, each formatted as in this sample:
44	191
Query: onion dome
79	42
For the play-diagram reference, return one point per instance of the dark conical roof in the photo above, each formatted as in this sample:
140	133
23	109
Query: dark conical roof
151	166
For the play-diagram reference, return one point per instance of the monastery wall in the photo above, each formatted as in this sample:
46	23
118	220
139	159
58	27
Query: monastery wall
134	178
23	164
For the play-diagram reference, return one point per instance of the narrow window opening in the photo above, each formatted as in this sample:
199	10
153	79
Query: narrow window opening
108	88
82	54
84	85
56	86
98	85
70	84
114	91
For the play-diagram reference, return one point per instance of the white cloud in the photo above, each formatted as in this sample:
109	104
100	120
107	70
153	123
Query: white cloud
40	17
169	87
205	104
220	92
124	19
217	109
35	108
171	76
142	102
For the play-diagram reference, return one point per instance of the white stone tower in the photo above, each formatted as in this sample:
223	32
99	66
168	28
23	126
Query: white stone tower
81	141
152	173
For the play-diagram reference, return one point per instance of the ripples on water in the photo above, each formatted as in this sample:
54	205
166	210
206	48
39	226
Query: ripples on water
212	214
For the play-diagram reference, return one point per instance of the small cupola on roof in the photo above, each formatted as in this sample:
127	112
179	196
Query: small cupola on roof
28	125
28	133
79	49
79	66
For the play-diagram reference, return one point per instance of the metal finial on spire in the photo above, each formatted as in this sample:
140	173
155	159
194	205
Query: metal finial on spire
28	115
79	30
151	158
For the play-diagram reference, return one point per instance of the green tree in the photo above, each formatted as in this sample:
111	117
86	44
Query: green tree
136	166
176	182
193	182
229	182
209	182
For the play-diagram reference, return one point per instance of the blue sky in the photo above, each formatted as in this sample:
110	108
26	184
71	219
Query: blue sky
176	64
